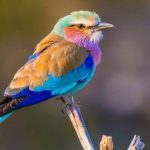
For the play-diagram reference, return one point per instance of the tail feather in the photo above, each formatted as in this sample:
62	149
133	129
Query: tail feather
6	108
5	100
5	117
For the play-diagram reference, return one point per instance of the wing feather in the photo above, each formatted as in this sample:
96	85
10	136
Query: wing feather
54	56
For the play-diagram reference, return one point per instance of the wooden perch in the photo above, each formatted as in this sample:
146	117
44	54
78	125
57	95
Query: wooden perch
75	116
73	111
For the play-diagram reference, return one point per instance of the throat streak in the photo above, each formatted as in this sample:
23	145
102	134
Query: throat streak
83	40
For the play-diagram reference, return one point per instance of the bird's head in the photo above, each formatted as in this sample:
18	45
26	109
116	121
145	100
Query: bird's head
81	26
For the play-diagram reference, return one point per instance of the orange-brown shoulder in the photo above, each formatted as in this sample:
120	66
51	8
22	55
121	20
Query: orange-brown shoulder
65	57
56	59
48	41
62	57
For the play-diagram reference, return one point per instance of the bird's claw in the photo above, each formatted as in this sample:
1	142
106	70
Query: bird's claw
65	106
67	102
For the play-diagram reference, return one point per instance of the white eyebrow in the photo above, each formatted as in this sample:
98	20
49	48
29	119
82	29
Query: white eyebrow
86	22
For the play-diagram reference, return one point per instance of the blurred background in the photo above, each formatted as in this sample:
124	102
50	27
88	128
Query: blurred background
117	100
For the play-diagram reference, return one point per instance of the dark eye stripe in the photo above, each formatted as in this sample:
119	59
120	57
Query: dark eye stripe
72	25
94	25
81	26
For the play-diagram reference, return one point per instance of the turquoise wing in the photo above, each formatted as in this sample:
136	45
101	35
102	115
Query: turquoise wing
53	70
70	82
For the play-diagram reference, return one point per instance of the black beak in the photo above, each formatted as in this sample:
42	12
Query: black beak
102	26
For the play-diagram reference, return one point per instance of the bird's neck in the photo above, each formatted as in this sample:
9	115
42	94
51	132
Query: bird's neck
84	41
93	48
90	46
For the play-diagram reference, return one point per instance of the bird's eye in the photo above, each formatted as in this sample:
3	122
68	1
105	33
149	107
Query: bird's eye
81	26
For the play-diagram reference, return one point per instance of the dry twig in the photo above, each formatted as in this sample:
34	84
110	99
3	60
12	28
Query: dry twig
136	143
106	143
73	111
74	114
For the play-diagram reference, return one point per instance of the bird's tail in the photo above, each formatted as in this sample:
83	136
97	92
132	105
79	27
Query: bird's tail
5	109
5	117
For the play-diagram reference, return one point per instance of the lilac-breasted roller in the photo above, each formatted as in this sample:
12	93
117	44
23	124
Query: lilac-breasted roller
62	63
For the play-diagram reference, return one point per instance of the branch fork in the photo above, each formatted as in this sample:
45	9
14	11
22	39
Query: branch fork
75	116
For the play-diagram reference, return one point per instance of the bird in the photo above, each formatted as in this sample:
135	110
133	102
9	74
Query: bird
61	64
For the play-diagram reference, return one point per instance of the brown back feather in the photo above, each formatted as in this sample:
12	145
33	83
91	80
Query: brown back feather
57	58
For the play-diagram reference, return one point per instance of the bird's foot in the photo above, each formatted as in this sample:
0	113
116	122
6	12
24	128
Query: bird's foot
67	102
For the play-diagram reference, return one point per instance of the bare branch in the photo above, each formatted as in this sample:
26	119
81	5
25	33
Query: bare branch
106	143
136	143
75	116
73	111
